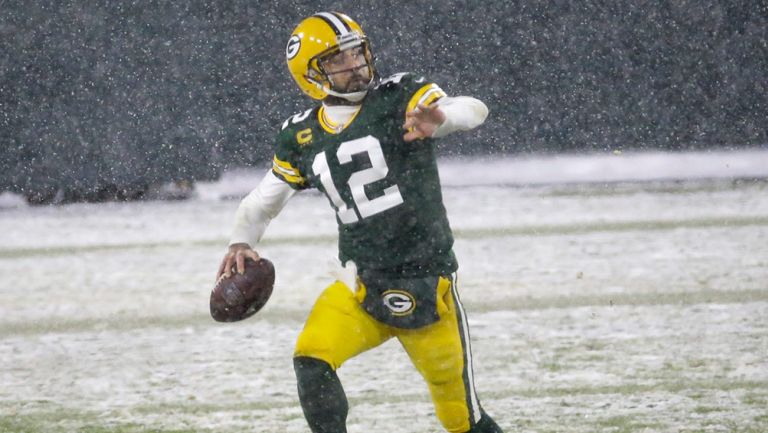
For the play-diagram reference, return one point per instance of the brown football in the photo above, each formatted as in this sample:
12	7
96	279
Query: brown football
242	295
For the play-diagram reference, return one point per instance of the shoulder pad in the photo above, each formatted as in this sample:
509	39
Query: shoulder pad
395	79
296	118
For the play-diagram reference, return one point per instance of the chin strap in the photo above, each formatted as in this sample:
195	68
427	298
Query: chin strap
351	96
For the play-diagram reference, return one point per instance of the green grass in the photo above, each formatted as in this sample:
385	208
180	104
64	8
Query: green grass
618	299
624	424
58	422
45	417
633	389
129	428
755	399
703	410
298	315
551	366
473	233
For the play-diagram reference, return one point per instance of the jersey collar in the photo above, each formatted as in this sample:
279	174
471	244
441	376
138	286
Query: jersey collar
335	119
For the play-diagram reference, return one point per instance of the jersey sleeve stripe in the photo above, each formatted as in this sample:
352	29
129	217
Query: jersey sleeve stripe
295	180
286	172
431	96
284	166
426	95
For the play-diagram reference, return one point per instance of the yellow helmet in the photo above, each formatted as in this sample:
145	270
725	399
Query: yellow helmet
320	36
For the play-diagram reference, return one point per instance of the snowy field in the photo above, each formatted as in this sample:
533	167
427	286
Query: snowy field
606	293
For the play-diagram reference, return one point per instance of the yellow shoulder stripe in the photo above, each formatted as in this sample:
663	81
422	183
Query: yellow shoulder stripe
286	171
426	95
326	123
329	126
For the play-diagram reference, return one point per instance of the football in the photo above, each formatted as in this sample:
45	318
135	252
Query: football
242	295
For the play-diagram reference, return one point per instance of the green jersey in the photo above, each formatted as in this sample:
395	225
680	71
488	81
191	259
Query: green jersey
385	191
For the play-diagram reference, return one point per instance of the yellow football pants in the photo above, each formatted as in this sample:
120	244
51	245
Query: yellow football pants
338	328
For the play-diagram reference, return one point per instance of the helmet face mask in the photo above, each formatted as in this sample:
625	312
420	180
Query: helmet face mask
359	74
312	47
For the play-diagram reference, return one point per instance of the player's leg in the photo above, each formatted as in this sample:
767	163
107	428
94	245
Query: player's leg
337	329
441	353
321	395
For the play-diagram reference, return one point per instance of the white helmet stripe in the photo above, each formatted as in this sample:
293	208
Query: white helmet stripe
343	22
335	22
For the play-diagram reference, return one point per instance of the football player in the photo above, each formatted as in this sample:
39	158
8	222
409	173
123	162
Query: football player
370	147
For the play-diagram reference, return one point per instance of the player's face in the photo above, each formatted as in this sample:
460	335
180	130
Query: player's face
348	70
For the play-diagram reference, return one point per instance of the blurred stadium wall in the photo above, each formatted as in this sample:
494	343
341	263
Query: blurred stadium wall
102	99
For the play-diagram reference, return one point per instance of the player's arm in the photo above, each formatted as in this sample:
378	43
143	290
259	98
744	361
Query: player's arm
253	216
462	113
435	115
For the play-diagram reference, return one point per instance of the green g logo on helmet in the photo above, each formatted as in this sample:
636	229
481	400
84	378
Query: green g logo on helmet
294	44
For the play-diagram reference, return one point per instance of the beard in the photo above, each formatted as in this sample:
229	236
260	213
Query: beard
360	80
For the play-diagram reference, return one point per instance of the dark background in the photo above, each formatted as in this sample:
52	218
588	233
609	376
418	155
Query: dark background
100	99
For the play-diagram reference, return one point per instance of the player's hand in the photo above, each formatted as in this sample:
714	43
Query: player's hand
236	256
422	122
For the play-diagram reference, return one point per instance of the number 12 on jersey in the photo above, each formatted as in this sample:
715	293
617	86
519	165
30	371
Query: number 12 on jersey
366	207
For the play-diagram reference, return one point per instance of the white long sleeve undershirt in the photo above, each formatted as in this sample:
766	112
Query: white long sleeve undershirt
462	113
261	205
258	208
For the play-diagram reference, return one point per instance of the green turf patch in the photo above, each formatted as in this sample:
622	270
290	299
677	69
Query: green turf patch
42	418
618	299
472	233
71	422
625	424
283	315
703	410
623	226
632	389
760	400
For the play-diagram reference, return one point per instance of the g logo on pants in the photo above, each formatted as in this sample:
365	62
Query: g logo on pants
399	302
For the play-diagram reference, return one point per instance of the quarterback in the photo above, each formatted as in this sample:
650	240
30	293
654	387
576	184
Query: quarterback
370	148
